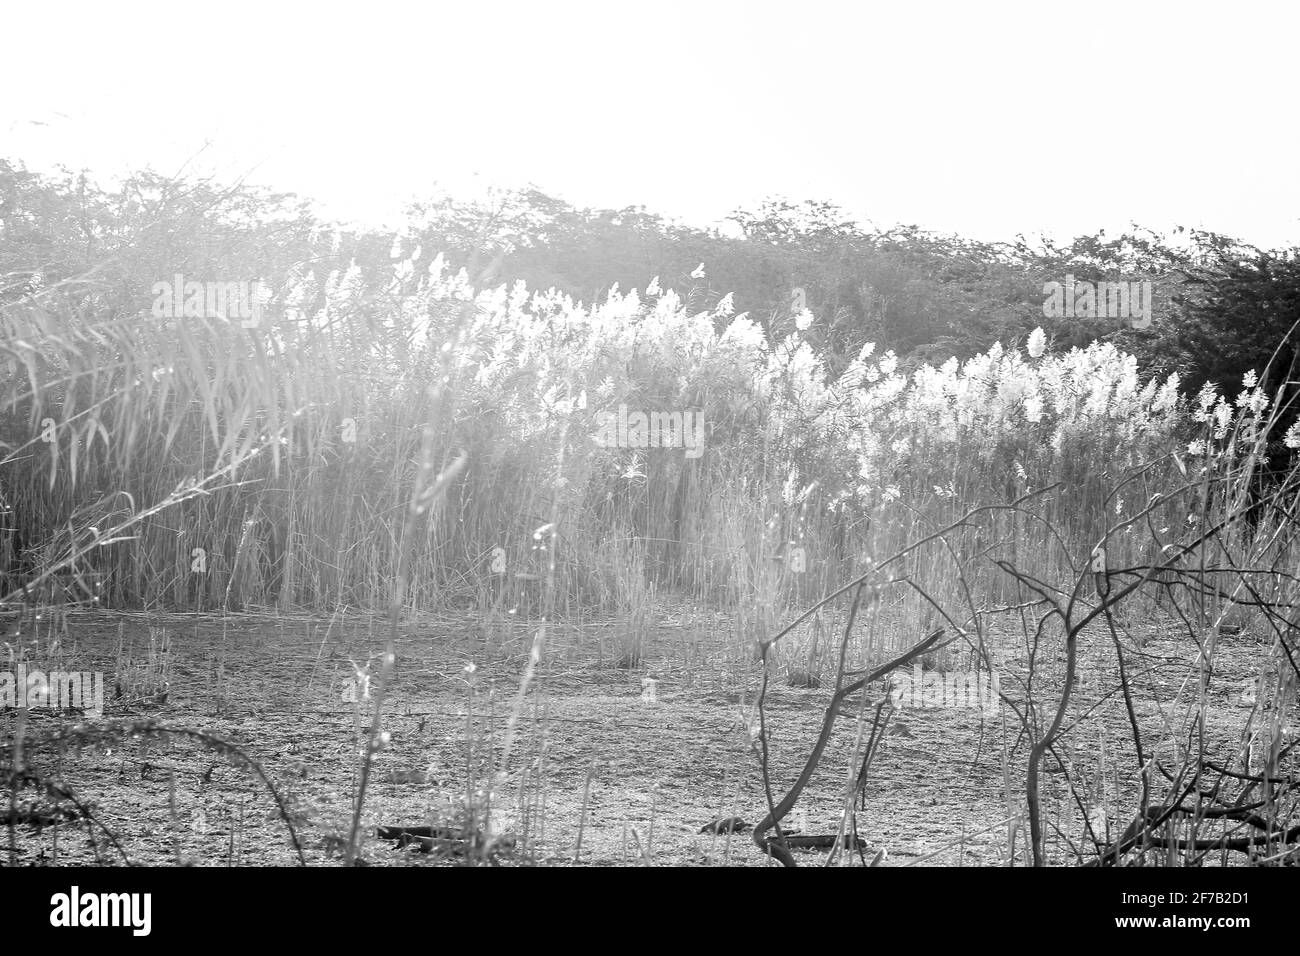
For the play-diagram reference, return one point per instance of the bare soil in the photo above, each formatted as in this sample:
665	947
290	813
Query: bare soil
598	775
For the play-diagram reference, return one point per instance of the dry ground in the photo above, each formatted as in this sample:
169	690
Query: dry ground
637	778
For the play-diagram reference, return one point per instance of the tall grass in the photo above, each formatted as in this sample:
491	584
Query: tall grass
314	419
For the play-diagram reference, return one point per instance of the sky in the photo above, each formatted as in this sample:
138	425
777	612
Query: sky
984	119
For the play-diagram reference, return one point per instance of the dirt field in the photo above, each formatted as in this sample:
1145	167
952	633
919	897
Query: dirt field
591	756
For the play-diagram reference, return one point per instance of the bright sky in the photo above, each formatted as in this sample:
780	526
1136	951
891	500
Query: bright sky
987	119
